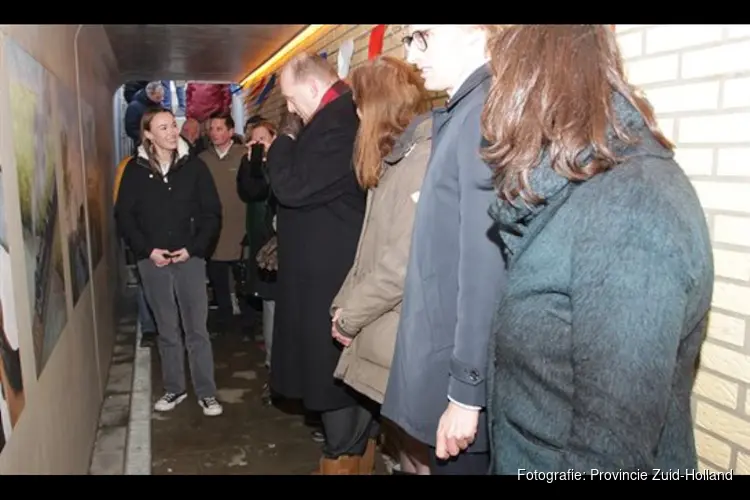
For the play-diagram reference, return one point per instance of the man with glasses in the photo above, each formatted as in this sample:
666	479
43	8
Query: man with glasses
436	389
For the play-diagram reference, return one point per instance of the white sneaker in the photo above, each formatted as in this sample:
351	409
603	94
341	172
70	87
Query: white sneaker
168	401
211	407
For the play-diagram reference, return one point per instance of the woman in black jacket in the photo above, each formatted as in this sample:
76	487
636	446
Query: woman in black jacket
169	212
253	189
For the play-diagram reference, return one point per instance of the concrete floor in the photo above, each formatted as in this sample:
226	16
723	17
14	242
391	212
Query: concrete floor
249	438
108	456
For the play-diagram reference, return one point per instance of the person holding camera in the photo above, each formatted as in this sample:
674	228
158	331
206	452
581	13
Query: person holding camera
169	213
253	189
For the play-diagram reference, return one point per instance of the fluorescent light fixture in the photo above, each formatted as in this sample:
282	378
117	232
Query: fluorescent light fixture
303	36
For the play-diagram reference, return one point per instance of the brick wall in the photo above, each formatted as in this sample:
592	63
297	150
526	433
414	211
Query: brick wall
330	41
698	79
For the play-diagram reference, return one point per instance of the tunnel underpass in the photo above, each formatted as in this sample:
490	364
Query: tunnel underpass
78	390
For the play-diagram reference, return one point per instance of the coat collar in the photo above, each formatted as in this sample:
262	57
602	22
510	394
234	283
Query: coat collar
181	156
480	77
419	130
338	89
514	217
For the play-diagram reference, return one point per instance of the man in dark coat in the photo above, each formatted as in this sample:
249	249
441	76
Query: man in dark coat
437	385
151	96
130	88
320	214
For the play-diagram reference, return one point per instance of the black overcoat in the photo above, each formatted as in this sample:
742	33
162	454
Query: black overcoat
320	214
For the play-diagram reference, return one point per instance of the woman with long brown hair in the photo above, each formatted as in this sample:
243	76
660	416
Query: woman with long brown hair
609	263
391	154
169	213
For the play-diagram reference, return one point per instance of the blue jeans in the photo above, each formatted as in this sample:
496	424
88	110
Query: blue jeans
145	316
167	102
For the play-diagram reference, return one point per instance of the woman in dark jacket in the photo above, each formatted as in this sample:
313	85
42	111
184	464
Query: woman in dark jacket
253	189
610	270
169	213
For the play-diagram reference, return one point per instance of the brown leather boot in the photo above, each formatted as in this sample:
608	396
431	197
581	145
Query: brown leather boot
342	466
367	462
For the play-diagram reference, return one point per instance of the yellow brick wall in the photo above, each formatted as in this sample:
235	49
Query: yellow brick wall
698	79
330	41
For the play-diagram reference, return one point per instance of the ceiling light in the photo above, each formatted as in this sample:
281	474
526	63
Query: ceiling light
286	50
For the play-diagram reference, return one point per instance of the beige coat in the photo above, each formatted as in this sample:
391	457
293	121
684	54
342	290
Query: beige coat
224	172
370	297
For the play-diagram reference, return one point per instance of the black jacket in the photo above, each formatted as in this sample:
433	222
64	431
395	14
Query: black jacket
253	188
131	88
134	112
320	214
181	210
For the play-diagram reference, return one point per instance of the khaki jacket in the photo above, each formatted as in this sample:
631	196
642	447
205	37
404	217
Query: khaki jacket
370	297
224	172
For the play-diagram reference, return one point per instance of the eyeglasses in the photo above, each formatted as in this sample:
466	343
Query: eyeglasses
418	38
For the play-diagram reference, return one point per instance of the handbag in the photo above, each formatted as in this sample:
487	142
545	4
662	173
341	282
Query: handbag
240	271
266	262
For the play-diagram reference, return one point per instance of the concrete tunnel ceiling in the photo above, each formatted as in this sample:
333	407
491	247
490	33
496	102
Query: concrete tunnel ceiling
210	52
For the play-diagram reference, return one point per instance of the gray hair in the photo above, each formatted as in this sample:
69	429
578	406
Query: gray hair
305	65
154	87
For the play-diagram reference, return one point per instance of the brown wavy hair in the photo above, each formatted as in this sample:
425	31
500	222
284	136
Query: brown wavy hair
552	90
266	125
389	94
148	146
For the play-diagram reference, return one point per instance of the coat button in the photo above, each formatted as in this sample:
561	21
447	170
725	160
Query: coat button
474	375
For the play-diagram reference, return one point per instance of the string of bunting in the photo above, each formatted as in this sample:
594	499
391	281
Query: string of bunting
375	48
253	92
266	90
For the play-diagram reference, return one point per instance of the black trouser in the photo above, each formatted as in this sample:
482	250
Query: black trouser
465	464
219	276
347	430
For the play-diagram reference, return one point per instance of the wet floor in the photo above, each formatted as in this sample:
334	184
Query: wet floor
249	438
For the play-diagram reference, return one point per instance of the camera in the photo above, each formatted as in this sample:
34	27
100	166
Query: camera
256	152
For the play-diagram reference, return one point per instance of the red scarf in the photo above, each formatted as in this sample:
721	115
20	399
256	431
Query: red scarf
337	90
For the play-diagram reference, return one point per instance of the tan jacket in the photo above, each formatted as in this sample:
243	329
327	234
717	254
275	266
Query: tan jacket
370	297
224	172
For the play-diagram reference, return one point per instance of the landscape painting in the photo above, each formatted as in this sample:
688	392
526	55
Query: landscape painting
74	217
36	146
12	400
94	185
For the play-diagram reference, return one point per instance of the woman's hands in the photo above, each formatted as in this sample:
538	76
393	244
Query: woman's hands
161	257
267	257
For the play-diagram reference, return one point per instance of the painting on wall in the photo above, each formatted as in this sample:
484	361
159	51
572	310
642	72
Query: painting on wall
94	185
74	217
12	400
35	140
